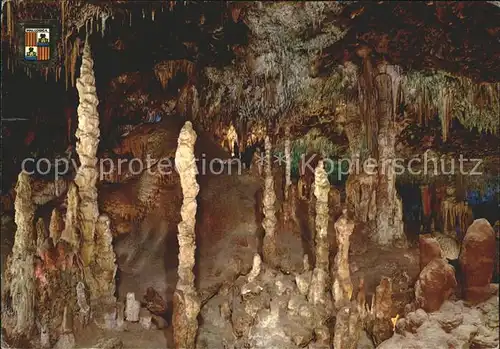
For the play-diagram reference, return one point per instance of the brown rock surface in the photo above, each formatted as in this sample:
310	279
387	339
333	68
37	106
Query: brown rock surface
429	249
435	284
477	259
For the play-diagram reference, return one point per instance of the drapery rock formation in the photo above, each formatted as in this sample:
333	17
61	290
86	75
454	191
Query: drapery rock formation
342	284
477	259
269	248
186	300
20	276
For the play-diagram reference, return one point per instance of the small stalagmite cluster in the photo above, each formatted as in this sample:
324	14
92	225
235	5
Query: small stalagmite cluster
186	300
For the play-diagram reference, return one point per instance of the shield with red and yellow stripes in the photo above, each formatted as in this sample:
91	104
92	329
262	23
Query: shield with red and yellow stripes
37	44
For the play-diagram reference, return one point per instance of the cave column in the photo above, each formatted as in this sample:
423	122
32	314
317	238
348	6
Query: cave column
389	206
186	299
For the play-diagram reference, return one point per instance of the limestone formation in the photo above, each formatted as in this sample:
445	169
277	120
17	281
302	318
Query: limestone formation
318	292
288	163
429	249
269	222
257	264
382	306
56	225
83	306
477	260
21	273
132	308
435	284
145	319
389	207
70	232
41	235
186	300
87	174
342	284
105	261
347	328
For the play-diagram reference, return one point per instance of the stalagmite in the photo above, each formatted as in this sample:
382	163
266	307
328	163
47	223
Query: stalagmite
56	225
342	284
381	312
87	135
41	234
288	163
21	266
105	260
318	292
186	300
256	267
269	222
70	232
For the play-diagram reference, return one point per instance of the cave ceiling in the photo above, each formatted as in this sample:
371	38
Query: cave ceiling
290	63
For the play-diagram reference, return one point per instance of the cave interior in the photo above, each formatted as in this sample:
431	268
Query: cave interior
251	175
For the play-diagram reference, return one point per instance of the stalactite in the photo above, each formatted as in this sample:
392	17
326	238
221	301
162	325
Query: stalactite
446	99
269	222
87	136
166	70
41	235
153	12
21	273
186	300
74	57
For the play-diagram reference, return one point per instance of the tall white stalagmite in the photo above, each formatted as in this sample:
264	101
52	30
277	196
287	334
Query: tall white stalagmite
21	266
319	294
288	163
318	291
269	222
87	135
98	262
186	299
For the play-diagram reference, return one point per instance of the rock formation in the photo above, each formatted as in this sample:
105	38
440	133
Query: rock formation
477	259
429	250
87	136
56	225
101	270
269	247
342	285
382	327
186	299
435	284
20	272
288	163
389	206
70	232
